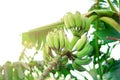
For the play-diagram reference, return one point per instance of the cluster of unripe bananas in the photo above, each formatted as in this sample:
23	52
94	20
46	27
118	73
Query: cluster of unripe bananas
76	22
81	48
56	42
78	49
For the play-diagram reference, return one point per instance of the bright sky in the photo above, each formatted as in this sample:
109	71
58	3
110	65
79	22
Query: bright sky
17	16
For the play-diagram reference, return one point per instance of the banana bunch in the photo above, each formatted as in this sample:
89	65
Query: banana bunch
82	58
75	22
57	40
82	49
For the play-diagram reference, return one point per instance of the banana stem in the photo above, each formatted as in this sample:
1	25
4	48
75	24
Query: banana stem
97	52
97	49
52	65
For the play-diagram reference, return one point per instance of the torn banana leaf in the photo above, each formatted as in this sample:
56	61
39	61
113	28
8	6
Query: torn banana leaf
36	36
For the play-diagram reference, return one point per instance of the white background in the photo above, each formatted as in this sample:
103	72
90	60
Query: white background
17	16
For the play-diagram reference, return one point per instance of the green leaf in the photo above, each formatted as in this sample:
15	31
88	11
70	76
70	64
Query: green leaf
101	12
38	35
114	73
93	74
104	12
108	32
111	22
8	71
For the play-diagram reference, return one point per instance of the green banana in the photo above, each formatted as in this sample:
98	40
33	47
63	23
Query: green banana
83	21
82	61
66	22
71	19
77	17
80	43
56	40
89	21
78	67
85	51
62	39
67	43
47	53
64	60
50	39
73	41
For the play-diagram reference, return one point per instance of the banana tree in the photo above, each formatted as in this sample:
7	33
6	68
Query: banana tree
62	53
71	45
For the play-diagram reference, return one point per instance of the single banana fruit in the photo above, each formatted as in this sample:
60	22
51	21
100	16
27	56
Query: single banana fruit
73	41
80	43
83	22
85	51
71	19
66	22
78	67
47	53
62	39
56	40
85	61
67	43
64	60
50	39
77	17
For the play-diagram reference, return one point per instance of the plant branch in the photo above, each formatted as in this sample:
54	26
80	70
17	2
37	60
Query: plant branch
52	65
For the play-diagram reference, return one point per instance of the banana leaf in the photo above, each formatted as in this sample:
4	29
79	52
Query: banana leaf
36	36
102	12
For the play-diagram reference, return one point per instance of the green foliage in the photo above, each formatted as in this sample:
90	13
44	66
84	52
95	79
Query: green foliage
61	56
